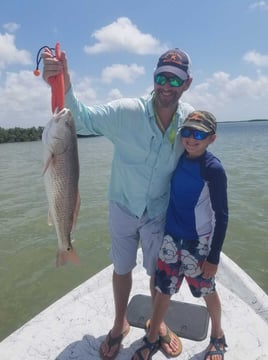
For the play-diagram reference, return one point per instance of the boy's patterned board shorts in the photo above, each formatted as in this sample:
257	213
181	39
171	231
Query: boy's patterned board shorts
179	259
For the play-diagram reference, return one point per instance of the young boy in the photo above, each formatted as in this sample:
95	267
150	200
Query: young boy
196	224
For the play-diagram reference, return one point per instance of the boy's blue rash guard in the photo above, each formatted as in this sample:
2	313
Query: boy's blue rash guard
198	202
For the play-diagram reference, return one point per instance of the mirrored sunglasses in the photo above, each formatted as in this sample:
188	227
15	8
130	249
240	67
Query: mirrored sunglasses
197	134
173	81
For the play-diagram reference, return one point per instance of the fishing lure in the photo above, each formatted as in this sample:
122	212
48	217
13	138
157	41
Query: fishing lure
56	82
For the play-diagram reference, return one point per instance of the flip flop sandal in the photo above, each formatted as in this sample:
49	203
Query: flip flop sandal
153	347
216	342
167	339
112	342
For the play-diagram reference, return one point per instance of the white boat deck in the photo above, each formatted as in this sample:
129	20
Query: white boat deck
74	326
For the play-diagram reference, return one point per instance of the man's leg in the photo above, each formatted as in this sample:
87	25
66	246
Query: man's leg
121	286
124	243
121	289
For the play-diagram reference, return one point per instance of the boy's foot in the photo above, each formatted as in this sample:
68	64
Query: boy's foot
170	343
216	349
147	350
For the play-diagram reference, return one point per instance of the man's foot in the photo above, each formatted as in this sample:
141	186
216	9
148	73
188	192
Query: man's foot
216	349
111	345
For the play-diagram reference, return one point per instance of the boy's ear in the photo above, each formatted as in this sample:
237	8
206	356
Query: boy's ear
212	138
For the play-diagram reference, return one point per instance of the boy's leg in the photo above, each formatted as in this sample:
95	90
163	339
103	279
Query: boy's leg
158	327
157	324
165	286
205	287
214	308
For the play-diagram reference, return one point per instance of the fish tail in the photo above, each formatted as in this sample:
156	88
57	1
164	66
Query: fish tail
64	256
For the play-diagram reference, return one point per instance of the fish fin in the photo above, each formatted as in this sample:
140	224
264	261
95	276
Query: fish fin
48	160
64	256
49	219
76	211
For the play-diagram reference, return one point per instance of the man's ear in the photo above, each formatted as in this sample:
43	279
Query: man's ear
187	84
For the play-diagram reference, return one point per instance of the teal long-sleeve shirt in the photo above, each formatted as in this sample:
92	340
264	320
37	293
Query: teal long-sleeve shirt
144	158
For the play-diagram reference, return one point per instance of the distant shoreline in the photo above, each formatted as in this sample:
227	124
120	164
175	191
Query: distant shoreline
15	135
231	121
236	121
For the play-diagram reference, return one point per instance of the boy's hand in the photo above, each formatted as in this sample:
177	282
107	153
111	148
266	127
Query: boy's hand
208	269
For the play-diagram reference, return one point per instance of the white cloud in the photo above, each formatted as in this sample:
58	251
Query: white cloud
126	73
11	27
123	35
262	5
256	58
9	54
240	98
114	94
85	91
24	101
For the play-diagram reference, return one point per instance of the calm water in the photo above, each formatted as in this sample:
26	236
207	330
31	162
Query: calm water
28	277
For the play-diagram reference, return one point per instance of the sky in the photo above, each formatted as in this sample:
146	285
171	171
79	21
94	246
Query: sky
112	49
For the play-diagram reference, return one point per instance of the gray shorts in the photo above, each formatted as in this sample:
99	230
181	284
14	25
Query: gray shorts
127	232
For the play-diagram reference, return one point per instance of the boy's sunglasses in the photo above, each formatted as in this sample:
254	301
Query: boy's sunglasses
173	81
197	134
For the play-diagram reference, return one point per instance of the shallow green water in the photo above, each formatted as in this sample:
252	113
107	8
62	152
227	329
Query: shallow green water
28	276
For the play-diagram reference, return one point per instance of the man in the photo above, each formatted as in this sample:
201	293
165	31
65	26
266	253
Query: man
146	151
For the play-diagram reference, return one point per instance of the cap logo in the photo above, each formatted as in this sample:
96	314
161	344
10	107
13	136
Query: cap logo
173	57
196	119
205	122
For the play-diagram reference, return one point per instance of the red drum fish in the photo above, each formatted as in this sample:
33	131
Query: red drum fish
61	175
